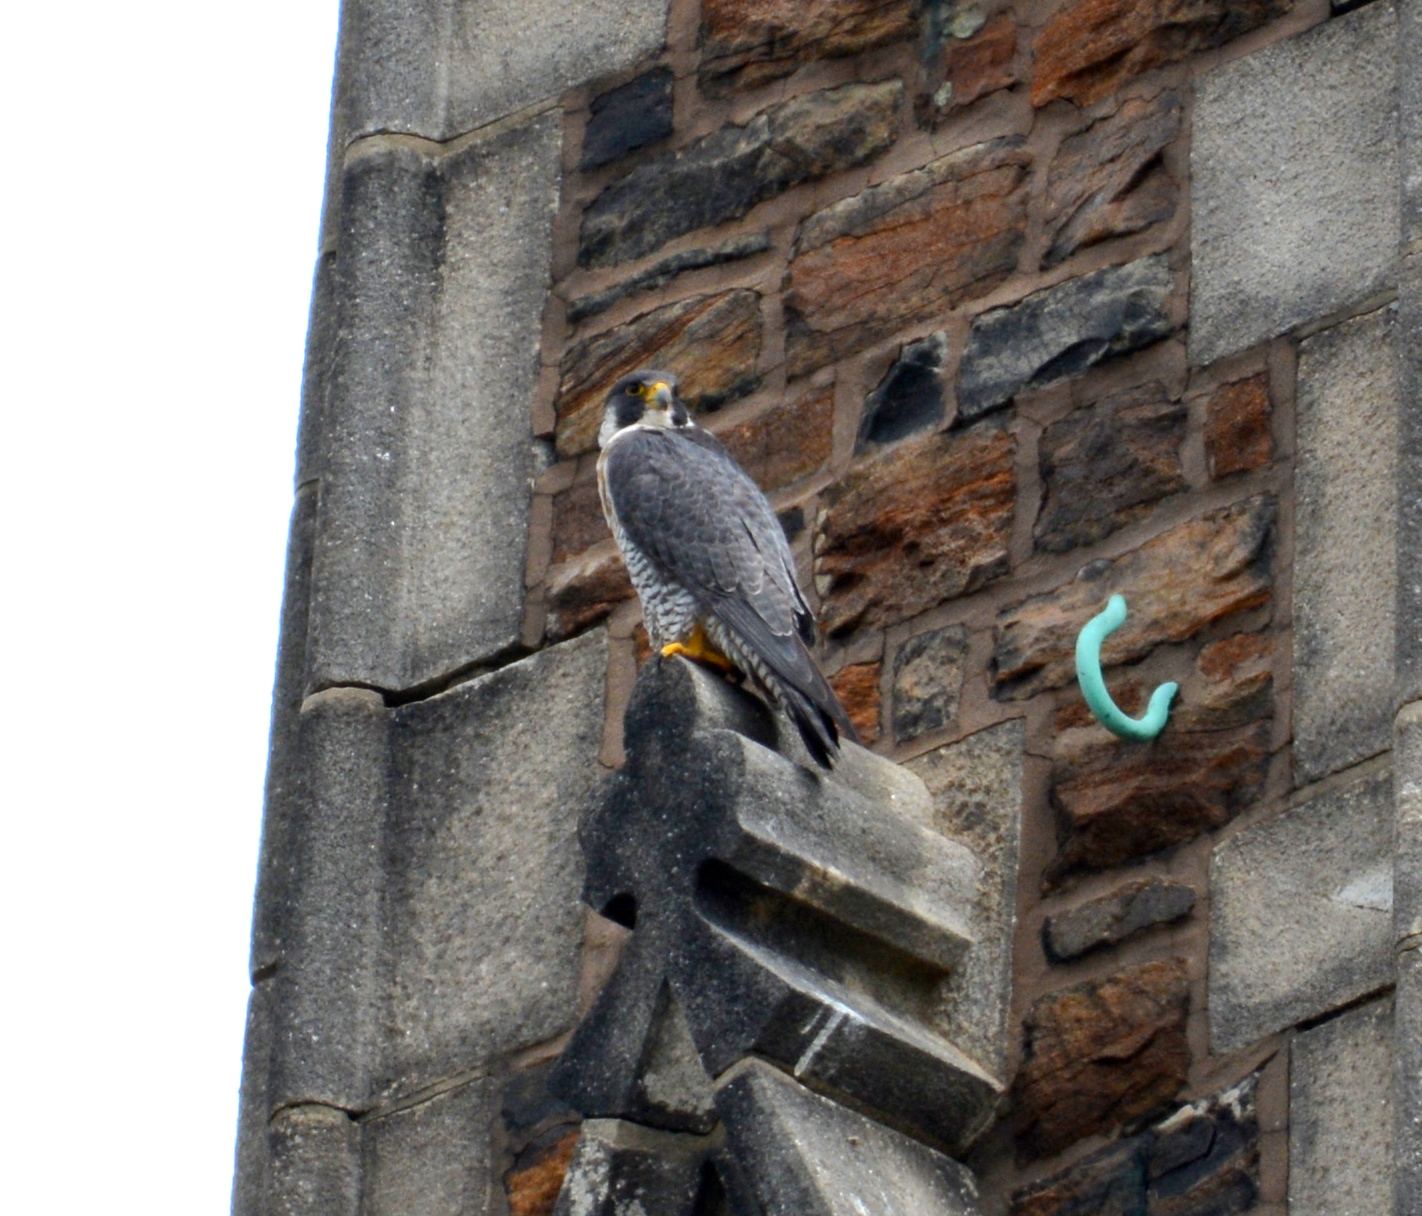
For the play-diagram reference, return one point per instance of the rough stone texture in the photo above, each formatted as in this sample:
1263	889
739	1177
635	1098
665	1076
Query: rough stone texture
532	1188
787	442
1091	47
1198	573
578	521
1100	1054
857	687
637	113
1103	466
1341	1116
664	271
584	593
1409	342
909	398
252	1174
1301	912
1238	434
978	65
723	175
427	445
1407	792
906	250
1115	916
1345	569
1294	182
1060	331
806	1154
621	1169
711	342
1407	1080
928	679
976	790
432	1159
443	68
1108	180
915	527
745	43
315	1163
1202	1160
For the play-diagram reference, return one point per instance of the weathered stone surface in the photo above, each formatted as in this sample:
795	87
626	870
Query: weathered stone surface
433	1158
787	442
745	43
711	342
1345	567
1341	1115
803	1153
483	926
636	113
723	175
1115	916
928	679
857	687
1091	47
621	1169
583	593
1301	908
1407	858
664	271
315	1163
1104	465
427	447
915	527
1407	1080
1108	180
978	65
906	250
1060	331
1294	182
1202	1160
443	68
1238	435
532	1187
1198	573
976	790
1100	1054
909	398
252	1174
578	521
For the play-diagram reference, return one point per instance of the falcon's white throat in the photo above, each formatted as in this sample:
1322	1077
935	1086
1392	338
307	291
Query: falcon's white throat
651	417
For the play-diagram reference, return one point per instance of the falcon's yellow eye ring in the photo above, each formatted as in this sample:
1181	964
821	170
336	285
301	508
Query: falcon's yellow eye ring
636	390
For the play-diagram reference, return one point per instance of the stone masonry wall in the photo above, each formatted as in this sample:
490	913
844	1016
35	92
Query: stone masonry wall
1009	306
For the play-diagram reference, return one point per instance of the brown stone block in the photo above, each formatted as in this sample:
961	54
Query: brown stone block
711	342
906	250
786	442
977	66
1237	427
1239	688
1091	47
1175	585
748	42
919	525
1108	180
1104	465
578	521
1101	1054
583	594
857	687
533	1188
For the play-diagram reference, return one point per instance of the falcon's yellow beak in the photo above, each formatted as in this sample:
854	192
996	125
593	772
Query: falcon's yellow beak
659	396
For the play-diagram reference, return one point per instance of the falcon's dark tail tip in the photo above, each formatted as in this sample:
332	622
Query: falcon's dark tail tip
820	727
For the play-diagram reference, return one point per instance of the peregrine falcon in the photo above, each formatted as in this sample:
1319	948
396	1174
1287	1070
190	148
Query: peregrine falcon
707	556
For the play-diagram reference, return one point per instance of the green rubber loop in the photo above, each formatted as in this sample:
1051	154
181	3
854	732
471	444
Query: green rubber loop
1093	686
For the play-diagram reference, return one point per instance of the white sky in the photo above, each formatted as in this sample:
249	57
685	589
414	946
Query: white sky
160	199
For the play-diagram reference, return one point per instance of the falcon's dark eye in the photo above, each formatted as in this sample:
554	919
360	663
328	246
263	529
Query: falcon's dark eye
636	390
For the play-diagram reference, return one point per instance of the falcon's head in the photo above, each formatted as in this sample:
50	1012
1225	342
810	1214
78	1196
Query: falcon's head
647	398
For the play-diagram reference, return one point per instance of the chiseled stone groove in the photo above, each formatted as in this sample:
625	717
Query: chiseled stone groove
394	698
366	145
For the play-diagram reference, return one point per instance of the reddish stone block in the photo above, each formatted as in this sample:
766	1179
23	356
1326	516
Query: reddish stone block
857	687
584	593
1092	47
578	521
922	523
904	251
786	442
1109	180
976	66
1200	572
533	1189
1101	1054
748	42
711	342
1238	434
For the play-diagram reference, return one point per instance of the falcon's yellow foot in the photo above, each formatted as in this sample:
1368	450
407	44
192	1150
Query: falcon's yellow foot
698	646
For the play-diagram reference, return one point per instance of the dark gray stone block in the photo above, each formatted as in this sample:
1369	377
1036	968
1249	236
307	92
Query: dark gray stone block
427	430
909	399
315	1163
1408	336
622	1169
1407	1083
637	113
316	370
808	1156
1113	917
1061	331
1294	182
927	681
1407	800
252	1174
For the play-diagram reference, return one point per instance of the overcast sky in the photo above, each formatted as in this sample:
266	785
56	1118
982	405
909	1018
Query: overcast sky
162	183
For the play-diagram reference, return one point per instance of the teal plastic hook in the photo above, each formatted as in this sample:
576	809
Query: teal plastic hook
1093	686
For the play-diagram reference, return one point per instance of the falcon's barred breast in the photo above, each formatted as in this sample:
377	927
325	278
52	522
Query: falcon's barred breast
707	555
